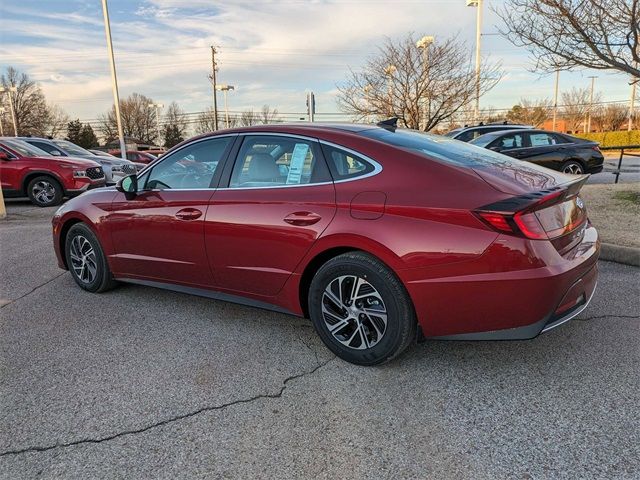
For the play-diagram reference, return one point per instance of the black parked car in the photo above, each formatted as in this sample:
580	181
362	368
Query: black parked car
468	133
550	149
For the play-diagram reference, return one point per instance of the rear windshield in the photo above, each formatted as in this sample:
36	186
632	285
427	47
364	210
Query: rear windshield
438	147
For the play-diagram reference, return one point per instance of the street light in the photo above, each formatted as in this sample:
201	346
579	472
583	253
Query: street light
478	5
114	79
424	43
9	91
1	120
225	89
157	106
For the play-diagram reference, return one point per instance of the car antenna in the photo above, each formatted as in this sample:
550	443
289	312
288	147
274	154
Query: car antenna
390	122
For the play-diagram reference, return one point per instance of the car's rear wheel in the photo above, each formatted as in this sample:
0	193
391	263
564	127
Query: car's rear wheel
45	191
361	310
86	260
572	167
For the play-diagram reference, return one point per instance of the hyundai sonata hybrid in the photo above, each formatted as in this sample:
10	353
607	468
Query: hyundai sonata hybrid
380	235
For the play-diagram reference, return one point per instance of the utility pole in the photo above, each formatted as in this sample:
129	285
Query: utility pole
1	120
311	106
588	125
478	5
114	79
214	68
555	101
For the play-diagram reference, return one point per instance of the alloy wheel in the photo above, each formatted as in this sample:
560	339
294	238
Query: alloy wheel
354	312
573	169
83	259
44	191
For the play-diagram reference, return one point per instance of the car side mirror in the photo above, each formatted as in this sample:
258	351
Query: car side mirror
128	185
4	156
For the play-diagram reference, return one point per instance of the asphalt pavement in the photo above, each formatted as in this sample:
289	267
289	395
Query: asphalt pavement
145	383
630	169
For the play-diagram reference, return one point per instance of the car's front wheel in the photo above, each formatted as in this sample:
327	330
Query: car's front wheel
361	310
45	191
86	260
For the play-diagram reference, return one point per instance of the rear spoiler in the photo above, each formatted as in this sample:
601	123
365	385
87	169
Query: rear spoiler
536	200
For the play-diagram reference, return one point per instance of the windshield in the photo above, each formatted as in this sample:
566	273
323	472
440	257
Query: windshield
23	148
71	148
438	147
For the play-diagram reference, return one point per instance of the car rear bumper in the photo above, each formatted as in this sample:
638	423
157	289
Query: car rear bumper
515	290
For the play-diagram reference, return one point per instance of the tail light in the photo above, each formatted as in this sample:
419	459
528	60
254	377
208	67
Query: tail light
538	217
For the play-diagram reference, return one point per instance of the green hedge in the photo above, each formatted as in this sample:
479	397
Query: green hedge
613	139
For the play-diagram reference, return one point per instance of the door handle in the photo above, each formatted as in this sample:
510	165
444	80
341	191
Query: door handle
302	218
188	214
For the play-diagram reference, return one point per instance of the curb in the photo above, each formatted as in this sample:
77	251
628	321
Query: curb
620	254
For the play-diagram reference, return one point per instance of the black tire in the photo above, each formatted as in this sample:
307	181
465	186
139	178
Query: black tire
368	347
45	191
572	167
80	238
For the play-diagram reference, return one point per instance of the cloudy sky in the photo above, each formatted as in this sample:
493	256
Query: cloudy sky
272	51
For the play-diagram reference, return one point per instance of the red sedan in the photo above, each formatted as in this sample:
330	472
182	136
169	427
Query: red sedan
380	235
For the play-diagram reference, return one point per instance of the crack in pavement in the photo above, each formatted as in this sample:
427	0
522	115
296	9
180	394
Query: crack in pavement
598	317
168	420
33	289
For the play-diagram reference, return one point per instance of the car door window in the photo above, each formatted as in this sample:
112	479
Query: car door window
541	139
273	161
507	142
191	167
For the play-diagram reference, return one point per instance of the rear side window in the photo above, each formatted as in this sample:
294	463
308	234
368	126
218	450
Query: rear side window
344	164
274	161
541	139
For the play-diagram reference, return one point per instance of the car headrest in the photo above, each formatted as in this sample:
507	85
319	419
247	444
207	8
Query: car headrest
262	168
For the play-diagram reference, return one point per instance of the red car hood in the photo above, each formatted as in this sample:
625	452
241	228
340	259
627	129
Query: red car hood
517	177
73	162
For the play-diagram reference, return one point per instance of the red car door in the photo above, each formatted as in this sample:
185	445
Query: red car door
279	200
159	234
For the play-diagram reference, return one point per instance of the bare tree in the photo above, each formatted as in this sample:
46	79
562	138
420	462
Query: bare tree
530	112
174	129
138	119
575	107
268	115
56	122
561	34
420	87
611	117
205	122
33	115
247	118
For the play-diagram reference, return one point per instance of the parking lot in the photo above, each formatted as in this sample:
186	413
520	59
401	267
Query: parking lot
145	383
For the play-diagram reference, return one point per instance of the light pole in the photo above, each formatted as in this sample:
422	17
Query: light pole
424	43
157	106
478	5
1	120
389	71
555	101
588	125
114	79
9	91
225	89
367	89
632	103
